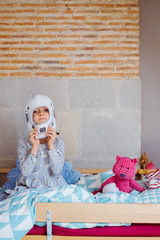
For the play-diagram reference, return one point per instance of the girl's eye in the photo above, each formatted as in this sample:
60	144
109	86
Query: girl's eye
46	110
35	111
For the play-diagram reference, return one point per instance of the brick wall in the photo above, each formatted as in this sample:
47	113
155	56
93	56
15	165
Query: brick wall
69	38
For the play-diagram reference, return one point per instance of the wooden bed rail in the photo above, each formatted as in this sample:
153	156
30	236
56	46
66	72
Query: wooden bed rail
99	212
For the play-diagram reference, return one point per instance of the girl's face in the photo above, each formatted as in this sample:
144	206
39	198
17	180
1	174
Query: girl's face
40	115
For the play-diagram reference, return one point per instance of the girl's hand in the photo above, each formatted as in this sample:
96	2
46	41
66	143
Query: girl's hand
35	142
51	137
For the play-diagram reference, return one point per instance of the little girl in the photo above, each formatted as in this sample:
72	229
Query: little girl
41	155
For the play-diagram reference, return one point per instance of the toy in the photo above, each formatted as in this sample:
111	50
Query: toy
145	165
154	179
37	101
124	170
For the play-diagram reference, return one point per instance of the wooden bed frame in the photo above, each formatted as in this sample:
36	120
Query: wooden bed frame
96	212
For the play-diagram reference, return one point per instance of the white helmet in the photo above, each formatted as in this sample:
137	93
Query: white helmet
37	101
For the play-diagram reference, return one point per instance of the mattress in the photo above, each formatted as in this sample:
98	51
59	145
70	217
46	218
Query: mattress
132	230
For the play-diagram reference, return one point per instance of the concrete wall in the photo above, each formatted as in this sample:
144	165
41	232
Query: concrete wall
94	83
97	119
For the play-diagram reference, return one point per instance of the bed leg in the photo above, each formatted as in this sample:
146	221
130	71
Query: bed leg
49	226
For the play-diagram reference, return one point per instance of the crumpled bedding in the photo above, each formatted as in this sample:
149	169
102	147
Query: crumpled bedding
70	175
17	213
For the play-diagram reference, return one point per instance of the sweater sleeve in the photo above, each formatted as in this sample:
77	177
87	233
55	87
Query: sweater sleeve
56	157
27	161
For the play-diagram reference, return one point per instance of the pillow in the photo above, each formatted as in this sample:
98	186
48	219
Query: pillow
93	182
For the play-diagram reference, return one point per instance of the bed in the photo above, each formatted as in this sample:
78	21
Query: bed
142	216
145	219
73	212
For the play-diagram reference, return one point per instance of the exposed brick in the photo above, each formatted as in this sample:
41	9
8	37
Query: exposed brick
65	74
27	49
68	48
113	75
31	55
48	62
46	74
46	23
69	38
55	30
9	55
4	61
4	36
20	74
23	24
55	69
55	55
46	48
93	74
87	62
79	69
4	49
44	36
3	74
47	11
8	68
22	11
112	61
31	67
22	61
66	62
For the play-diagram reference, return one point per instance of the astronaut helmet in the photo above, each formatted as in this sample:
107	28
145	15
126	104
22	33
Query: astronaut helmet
37	101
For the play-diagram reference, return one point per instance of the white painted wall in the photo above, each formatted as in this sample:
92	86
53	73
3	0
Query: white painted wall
150	77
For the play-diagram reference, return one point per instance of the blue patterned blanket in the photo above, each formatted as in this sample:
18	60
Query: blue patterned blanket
17	213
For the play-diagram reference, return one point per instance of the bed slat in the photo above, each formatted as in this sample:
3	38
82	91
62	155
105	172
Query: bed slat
92	170
99	212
